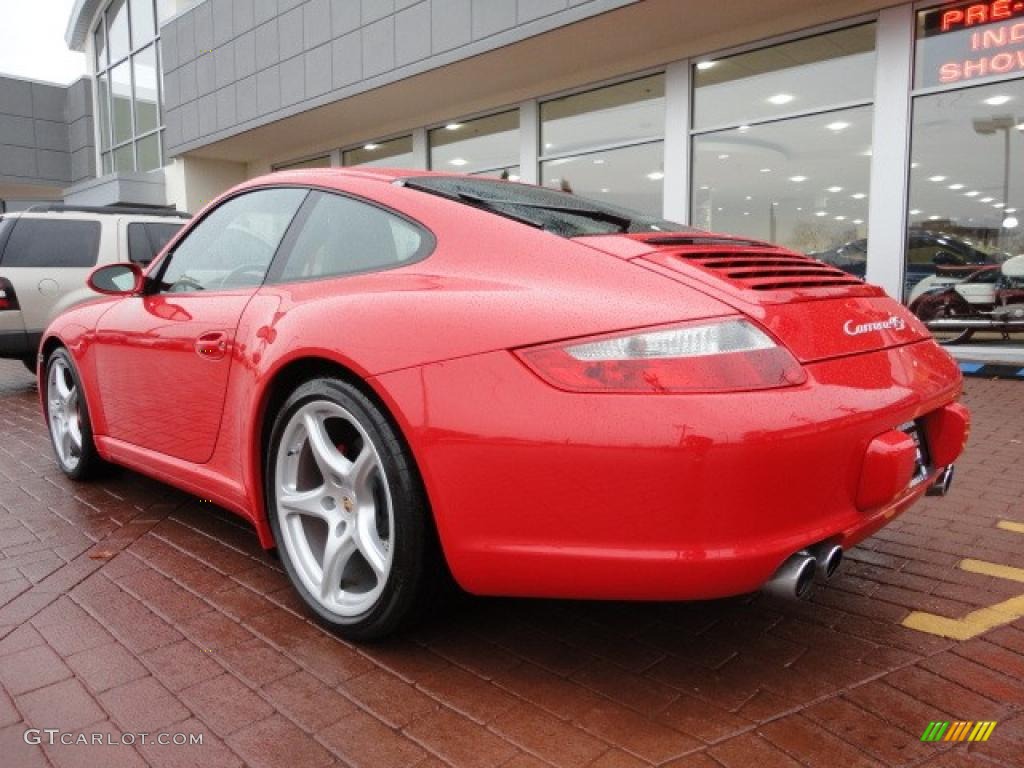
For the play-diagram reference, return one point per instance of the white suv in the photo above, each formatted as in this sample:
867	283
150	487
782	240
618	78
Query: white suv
47	252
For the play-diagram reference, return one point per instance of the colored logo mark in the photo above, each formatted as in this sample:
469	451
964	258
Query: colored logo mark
959	731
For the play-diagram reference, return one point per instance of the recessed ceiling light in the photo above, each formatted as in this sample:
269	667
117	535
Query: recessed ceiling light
936	179
799	209
746	213
599	161
972	193
834	189
370	147
780	98
956	186
1011	210
840	218
453	126
999	205
998	101
858	195
986	200
915	212
743	128
798	179
604	189
821	213
866	153
858	221
838	125
766	170
915	165
723	156
720	209
749	197
705	65
655	175
458	161
548	145
934	218
705	186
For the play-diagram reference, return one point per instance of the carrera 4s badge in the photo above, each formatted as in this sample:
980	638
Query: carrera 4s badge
891	323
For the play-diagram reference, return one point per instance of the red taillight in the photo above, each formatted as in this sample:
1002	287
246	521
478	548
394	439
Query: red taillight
8	299
721	355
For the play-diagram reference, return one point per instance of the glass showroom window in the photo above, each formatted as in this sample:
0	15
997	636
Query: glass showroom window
966	198
323	161
782	144
126	47
607	143
486	146
393	153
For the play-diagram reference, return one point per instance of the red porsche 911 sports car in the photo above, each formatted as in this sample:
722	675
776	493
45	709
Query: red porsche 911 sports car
391	374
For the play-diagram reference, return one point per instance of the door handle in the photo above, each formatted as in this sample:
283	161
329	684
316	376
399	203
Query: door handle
212	346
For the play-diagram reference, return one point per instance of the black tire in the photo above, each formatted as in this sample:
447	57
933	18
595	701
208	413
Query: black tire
89	464
416	567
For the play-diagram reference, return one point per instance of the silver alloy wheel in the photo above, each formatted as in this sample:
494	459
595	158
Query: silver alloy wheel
334	508
64	414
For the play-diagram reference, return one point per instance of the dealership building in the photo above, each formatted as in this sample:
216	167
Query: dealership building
865	131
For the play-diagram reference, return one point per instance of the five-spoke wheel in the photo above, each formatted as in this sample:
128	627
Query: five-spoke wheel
68	418
348	511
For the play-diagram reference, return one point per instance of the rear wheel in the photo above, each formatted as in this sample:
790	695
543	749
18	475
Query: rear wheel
348	512
948	336
67	416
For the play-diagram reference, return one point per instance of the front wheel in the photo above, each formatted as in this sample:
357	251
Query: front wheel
348	512
67	415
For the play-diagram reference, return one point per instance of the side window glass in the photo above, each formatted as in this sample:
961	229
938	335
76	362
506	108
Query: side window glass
342	236
232	246
53	243
147	239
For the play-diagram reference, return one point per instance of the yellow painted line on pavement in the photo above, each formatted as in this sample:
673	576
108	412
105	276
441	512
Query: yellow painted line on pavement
993	569
1008	525
975	622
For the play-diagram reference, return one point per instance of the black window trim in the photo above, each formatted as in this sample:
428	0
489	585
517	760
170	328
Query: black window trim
154	277
428	242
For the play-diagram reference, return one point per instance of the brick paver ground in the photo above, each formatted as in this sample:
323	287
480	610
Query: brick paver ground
128	607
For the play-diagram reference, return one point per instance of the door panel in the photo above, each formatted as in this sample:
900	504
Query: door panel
163	359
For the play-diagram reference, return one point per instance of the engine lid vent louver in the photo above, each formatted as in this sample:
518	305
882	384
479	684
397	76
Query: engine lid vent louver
768	270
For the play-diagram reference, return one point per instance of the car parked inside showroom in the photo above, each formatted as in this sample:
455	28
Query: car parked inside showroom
47	253
394	375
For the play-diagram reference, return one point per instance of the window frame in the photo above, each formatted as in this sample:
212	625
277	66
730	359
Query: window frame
158	267
274	276
105	154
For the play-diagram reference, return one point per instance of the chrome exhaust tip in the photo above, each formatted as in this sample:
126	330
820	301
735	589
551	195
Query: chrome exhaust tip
942	485
827	558
794	577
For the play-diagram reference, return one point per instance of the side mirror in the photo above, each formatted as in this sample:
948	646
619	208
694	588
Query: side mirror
117	280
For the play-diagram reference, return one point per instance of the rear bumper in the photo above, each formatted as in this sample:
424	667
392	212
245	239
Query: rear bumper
545	493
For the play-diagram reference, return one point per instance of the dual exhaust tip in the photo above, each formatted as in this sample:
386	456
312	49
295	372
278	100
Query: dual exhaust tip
796	576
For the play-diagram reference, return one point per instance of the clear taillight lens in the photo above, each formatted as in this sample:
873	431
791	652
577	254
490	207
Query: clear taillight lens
709	356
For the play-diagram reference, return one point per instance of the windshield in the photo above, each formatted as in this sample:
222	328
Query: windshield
560	213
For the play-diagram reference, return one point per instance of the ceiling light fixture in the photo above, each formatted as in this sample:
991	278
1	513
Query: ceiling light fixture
972	193
1010	222
956	187
837	126
997	101
705	65
453	126
798	179
766	170
936	179
986	200
370	147
723	156
655	175
858	195
833	190
780	98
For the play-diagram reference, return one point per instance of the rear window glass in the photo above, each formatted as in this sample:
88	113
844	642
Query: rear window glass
52	243
561	213
147	239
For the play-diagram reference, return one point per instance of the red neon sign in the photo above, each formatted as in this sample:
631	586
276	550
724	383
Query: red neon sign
969	41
